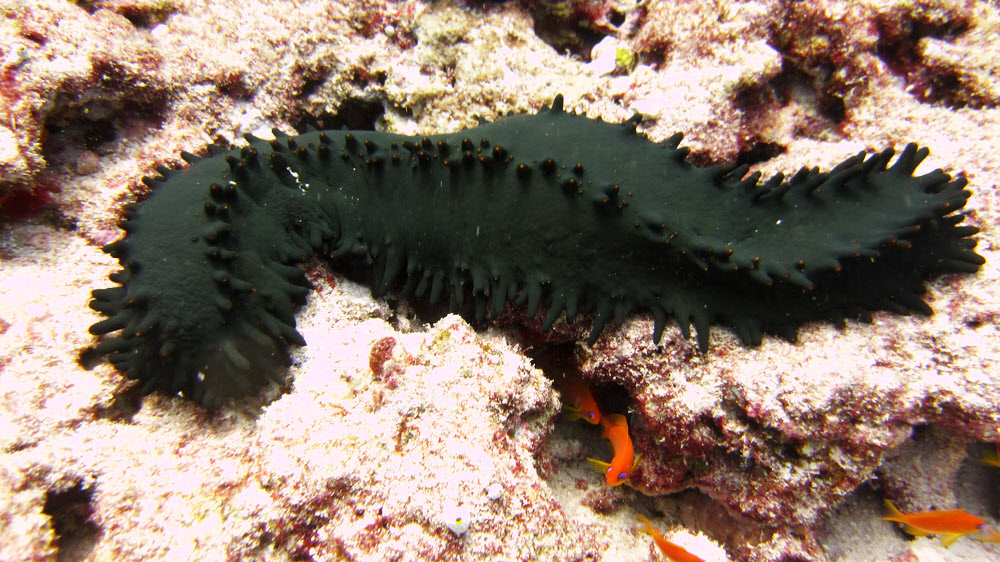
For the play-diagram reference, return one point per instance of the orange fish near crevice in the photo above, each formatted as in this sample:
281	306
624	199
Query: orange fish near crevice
951	524
615	430
673	552
577	398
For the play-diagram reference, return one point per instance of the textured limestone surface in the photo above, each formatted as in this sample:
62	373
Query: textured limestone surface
397	440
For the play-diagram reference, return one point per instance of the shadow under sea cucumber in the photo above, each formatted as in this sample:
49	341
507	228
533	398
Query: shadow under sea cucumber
553	211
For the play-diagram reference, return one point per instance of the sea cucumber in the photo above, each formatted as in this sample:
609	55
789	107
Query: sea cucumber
553	211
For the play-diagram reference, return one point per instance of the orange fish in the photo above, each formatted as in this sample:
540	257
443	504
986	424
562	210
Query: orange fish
674	552
950	523
624	461
578	399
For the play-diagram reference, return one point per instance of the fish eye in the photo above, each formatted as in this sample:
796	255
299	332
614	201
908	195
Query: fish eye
622	476
590	415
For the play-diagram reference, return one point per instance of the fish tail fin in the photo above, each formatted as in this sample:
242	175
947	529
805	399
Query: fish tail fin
987	534
635	462
598	466
894	514
572	414
647	526
991	458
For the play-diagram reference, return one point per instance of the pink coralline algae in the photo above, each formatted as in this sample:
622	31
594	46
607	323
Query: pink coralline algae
780	436
67	78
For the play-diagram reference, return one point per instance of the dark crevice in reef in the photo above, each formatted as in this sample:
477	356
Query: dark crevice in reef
87	124
71	512
362	77
148	16
899	39
89	7
815	89
142	15
821	109
553	360
759	151
616	18
899	46
312	78
568	26
813	59
559	360
88	119
233	84
353	113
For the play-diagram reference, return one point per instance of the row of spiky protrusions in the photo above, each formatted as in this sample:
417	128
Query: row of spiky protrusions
552	210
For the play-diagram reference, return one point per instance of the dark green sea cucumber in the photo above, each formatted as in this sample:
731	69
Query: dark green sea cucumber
553	211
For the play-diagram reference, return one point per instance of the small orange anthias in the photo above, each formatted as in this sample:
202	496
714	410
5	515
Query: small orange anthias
578	399
615	429
674	552
951	524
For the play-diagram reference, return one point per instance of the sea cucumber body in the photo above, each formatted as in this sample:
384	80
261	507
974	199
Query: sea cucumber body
553	211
